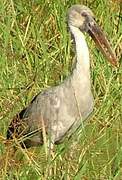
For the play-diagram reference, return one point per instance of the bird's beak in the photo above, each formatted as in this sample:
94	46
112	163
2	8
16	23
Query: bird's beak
101	41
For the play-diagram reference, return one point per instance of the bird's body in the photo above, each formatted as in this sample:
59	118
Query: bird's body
63	107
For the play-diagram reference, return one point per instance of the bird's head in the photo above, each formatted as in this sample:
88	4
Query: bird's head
82	18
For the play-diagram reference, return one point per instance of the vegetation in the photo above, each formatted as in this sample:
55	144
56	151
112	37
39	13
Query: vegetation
36	52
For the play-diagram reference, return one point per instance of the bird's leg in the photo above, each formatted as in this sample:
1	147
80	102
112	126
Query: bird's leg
50	145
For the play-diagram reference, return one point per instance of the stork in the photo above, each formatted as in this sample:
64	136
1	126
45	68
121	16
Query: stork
61	109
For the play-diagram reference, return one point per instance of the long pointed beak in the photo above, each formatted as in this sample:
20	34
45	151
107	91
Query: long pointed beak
101	41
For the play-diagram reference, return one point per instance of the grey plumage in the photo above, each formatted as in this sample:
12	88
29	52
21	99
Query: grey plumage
61	108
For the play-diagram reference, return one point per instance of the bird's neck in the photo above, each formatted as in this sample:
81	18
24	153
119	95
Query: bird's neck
82	63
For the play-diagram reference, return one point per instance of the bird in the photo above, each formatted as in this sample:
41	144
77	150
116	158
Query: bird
61	109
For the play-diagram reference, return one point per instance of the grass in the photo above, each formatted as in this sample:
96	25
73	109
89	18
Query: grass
36	53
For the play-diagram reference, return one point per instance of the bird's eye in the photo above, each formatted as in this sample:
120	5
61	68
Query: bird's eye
84	14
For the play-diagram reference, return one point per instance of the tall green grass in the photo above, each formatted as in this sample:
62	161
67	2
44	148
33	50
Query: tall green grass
35	53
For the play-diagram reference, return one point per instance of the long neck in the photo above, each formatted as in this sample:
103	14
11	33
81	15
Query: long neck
82	63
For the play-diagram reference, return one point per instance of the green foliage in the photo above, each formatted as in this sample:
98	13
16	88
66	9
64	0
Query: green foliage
36	53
